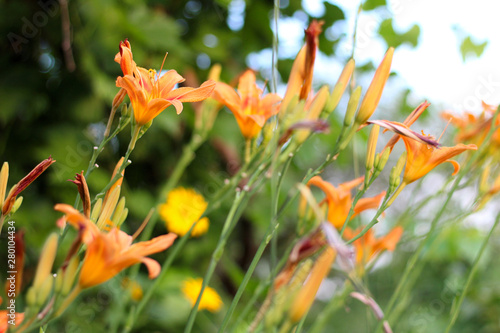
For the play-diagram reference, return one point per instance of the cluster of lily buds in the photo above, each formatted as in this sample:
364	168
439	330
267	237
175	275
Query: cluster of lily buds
11	203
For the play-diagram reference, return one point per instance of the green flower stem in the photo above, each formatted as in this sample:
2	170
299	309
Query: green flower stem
410	267
186	158
374	220
134	313
216	255
232	218
471	276
97	151
333	305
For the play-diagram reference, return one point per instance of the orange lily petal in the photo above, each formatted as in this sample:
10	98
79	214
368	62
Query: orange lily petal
422	158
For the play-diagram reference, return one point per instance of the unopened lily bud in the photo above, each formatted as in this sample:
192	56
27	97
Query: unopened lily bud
145	128
44	290
314	111
58	283
23	183
46	261
352	106
122	218
214	73
16	205
119	97
31	296
83	191
340	87
108	208
374	92
96	210
484	181
382	159
306	295
70	275
125	111
372	147
4	177
292	105
380	162
395	176
118	211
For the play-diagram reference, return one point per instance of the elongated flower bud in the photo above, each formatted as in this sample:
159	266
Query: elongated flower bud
46	261
340	87
306	295
314	111
372	147
23	183
395	176
374	92
352	106
70	275
4	177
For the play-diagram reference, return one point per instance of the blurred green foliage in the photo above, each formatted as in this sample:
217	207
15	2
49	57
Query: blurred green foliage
48	109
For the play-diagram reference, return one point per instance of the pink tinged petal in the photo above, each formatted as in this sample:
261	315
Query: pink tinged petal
153	267
377	311
404	130
178	106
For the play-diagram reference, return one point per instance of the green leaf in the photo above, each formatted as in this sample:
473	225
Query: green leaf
372	4
469	48
393	38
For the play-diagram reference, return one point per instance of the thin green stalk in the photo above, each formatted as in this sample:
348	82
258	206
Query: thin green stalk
471	276
333	305
134	313
216	255
374	220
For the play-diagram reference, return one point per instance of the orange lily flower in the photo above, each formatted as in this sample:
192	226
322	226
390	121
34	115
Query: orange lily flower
422	158
367	246
339	200
251	111
108	253
475	129
151	93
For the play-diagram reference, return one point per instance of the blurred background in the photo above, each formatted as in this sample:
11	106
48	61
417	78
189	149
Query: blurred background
57	83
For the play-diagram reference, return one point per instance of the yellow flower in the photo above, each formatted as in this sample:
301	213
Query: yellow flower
183	208
210	300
